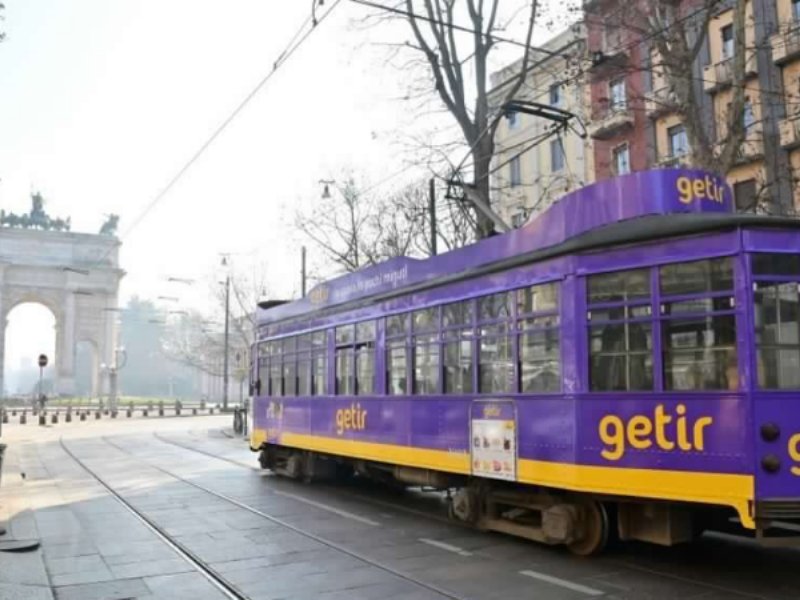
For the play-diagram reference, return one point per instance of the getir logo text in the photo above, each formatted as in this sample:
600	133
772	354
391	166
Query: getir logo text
665	431
353	418
691	189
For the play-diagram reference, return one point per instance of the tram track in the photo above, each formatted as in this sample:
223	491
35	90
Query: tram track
277	521
226	587
618	562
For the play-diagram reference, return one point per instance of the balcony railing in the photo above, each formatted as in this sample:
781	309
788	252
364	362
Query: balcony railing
658	102
606	123
790	132
720	75
786	43
668	162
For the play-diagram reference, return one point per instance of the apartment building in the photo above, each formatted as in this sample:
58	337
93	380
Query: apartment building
633	128
531	170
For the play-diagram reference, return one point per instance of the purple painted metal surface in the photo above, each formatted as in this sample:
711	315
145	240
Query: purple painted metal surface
618	429
657	192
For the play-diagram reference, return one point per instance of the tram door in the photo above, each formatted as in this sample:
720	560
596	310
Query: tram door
493	439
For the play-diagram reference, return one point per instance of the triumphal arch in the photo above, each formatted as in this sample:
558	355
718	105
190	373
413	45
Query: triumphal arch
75	275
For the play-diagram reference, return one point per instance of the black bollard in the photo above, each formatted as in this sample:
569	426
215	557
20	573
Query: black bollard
128	413
68	416
160	409
97	415
113	414
23	418
42	419
177	409
144	412
14	413
211	410
194	412
5	416
54	418
83	416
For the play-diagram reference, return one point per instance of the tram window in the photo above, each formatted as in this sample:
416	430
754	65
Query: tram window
620	286
537	299
540	360
426	365
426	319
776	264
289	376
263	375
275	378
289	344
621	357
318	339
458	314
496	366
345	334
495	307
304	341
319	373
700	353
365	331
397	368
702	276
397	325
345	374
304	375
777	325
365	369
458	367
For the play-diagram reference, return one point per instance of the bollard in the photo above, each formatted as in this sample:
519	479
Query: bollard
34	412
177	409
54	418
113	414
23	418
161	408
68	416
144	412
42	419
194	412
83	416
97	415
14	413
128	412
211	410
5	416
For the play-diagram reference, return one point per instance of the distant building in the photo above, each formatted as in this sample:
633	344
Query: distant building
528	176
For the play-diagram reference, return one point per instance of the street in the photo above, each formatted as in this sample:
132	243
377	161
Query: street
268	537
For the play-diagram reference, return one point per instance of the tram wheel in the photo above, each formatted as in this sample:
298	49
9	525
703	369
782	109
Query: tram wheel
595	529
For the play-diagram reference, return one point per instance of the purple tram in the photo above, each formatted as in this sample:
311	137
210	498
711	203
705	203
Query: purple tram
627	364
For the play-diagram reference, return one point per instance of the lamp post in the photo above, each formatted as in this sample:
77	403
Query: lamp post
225	365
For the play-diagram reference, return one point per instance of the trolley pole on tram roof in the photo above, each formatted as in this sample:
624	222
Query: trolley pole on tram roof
432	212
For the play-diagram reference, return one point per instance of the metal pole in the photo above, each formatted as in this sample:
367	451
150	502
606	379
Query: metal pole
41	374
227	330
432	212
303	271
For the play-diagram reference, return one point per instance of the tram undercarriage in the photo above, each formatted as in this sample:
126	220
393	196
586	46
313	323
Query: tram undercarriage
585	523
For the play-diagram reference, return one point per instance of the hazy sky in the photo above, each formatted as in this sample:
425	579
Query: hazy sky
102	101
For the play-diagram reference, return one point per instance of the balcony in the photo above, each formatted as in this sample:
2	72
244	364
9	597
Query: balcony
659	102
609	121
790	132
670	162
752	147
786	43
720	75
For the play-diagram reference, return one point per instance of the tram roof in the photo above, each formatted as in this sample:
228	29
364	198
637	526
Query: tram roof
635	207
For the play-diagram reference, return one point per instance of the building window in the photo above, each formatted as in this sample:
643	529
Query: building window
518	219
539	356
749	116
556	155
678	143
495	359
397	330
555	94
621	160
745	195
796	10
513	119
727	42
698	327
515	172
619	99
620	331
457	330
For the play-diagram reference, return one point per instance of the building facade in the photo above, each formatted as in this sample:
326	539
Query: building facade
623	95
532	168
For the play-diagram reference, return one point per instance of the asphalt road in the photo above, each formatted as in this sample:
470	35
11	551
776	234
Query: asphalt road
273	538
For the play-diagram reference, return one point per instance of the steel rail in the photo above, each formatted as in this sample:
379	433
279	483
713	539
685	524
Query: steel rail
218	581
307	534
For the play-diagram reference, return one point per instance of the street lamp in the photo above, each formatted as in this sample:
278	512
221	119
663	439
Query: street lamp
224	264
326	190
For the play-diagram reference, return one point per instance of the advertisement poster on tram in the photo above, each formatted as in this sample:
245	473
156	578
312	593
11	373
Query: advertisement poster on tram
493	435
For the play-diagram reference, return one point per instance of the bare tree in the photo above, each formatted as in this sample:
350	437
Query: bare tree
355	228
463	88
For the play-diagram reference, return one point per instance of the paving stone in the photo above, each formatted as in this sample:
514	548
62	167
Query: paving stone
78	577
72	564
109	590
14	591
25	568
146	568
189	586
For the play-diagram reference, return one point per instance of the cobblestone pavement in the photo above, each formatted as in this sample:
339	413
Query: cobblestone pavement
273	538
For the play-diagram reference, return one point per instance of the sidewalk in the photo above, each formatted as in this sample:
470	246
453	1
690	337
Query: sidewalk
22	575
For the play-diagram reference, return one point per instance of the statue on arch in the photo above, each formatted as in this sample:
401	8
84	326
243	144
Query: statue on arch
110	225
